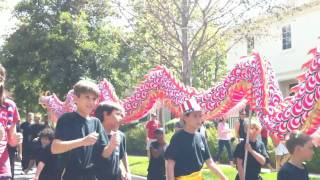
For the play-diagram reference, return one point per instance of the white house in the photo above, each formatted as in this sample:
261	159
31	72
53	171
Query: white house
286	44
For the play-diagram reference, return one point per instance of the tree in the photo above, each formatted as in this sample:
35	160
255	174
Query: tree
55	44
190	36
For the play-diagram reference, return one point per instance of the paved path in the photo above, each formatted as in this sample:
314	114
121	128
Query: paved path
18	174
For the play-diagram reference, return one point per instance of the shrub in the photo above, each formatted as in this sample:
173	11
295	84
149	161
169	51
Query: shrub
213	145
313	166
136	140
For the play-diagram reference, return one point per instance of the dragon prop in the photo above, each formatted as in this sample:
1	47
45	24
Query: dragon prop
253	79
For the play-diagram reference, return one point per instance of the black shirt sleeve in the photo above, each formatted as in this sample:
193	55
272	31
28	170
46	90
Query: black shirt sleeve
103	139
207	154
43	155
59	132
122	146
239	151
173	149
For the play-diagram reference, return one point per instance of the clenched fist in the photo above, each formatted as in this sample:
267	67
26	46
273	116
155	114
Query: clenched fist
90	139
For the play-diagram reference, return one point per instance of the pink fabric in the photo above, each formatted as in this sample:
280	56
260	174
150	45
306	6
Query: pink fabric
151	126
9	116
223	131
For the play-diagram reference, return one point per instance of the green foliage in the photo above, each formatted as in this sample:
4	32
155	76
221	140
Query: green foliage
136	140
213	145
313	166
57	42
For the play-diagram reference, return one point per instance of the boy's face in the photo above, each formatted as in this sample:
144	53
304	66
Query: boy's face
254	131
86	102
45	141
114	119
194	120
306	151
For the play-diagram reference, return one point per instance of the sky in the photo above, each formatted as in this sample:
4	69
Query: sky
6	19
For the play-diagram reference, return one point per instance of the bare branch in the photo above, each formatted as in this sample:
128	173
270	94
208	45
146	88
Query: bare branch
218	57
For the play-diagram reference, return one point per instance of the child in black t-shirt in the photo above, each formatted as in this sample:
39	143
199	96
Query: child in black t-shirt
300	147
80	138
47	168
257	154
111	114
156	169
188	149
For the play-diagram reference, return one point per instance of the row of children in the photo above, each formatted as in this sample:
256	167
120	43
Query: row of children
88	148
91	148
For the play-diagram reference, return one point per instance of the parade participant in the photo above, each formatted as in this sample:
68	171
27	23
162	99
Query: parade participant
8	120
188	150
80	138
151	126
47	168
25	128
241	126
35	129
224	140
257	154
156	168
300	147
281	152
111	115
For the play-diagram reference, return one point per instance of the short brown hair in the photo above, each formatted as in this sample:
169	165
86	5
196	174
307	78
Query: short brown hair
85	86
107	107
297	139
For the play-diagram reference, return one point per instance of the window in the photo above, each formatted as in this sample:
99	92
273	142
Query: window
286	37
250	44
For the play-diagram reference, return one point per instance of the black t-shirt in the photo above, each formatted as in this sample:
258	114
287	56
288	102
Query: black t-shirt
26	132
50	170
189	151
109	168
242	131
35	130
292	172
35	145
156	169
80	162
253	166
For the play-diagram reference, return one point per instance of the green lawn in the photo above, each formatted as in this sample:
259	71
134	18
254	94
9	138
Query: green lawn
139	166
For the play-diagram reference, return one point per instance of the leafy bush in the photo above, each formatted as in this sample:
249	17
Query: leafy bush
136	140
213	145
313	166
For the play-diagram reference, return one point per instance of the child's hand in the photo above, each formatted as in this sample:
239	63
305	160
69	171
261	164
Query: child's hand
248	147
90	139
115	139
18	137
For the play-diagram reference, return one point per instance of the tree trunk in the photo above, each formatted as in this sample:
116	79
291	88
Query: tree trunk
186	66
